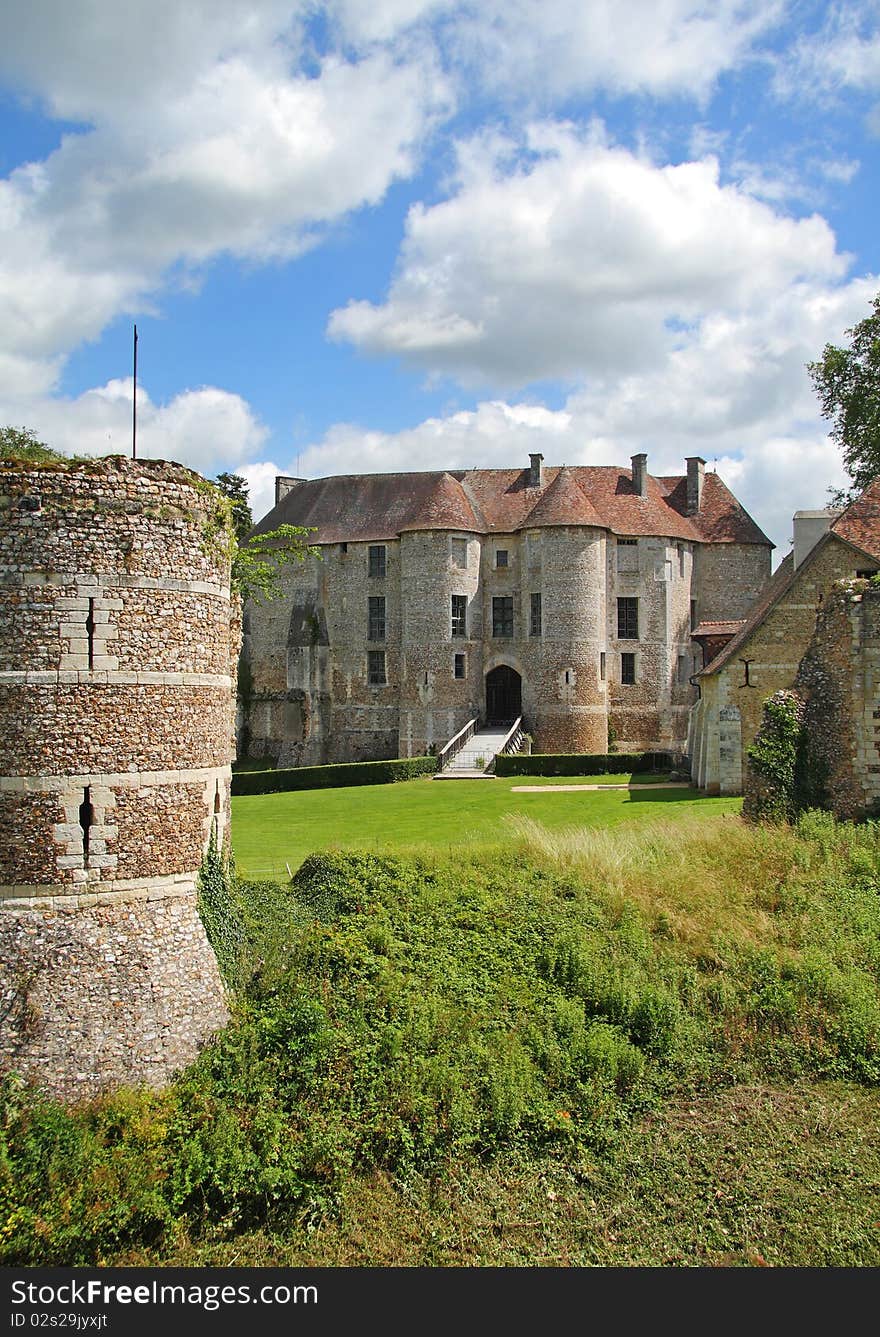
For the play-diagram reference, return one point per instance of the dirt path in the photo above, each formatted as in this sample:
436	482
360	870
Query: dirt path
570	789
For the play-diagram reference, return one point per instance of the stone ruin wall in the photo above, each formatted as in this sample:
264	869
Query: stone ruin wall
838	681
118	641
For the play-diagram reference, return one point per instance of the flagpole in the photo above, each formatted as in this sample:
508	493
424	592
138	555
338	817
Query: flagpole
134	393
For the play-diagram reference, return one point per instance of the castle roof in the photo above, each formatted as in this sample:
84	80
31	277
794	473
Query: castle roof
373	507
858	527
859	524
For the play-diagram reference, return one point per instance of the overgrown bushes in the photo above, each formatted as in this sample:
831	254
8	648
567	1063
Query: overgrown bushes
406	1016
332	777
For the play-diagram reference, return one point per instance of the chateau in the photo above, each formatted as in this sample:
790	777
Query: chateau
577	597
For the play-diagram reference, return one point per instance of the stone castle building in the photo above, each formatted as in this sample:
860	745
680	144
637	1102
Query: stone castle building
764	654
116	708
567	595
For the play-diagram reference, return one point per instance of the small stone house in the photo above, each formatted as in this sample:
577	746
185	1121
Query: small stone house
565	595
764	654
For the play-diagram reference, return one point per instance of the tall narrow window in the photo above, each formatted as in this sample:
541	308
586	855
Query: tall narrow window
458	666
459	615
376	667
90	632
218	837
602	666
377	560
628	619
535	616
501	557
459	553
682	669
376	618
502	617
86	821
681	558
627	669
693	614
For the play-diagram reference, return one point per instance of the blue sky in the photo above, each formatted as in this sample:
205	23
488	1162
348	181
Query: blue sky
416	234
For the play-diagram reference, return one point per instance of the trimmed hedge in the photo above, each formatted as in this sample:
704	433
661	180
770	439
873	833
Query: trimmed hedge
332	777
574	763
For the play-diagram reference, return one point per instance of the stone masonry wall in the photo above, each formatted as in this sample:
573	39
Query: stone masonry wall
118	638
839	680
734	698
305	663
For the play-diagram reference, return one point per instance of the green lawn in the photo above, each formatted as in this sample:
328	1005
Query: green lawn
271	832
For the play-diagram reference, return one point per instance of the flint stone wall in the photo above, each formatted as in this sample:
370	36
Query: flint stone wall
118	639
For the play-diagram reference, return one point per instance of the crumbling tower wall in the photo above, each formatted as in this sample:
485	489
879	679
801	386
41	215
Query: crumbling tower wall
116	717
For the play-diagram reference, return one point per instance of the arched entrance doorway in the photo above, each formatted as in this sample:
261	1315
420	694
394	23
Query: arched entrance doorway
503	695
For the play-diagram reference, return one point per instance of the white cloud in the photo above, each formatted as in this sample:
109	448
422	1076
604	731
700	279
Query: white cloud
517	48
225	147
732	388
208	429
844	52
577	260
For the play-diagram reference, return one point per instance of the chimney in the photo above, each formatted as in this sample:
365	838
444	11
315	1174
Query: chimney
535	471
696	473
285	485
640	475
808	527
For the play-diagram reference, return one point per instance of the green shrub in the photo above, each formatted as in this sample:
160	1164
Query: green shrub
405	1017
332	777
575	763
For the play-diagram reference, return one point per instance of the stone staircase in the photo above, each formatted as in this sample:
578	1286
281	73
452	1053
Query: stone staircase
473	752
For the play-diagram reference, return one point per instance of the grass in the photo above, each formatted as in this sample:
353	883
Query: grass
274	832
753	1175
655	1046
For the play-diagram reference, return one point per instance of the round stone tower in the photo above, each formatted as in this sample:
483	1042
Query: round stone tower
117	714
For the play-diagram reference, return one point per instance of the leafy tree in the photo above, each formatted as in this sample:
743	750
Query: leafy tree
22	443
235	489
847	381
257	559
257	564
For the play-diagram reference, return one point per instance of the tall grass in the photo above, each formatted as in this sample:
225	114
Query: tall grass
416	1016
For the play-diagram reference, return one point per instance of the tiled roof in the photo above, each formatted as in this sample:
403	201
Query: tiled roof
858	526
717	628
860	522
370	507
560	501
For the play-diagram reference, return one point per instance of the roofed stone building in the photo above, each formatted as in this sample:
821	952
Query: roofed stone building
764	654
567	595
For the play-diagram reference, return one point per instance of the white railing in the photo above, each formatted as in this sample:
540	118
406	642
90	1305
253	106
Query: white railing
455	744
512	742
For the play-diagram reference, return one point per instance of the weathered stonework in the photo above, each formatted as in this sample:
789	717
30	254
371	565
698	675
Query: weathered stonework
118	639
839	682
562	545
763	659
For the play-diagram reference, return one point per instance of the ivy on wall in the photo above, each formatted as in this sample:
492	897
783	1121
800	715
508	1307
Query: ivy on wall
773	756
219	911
